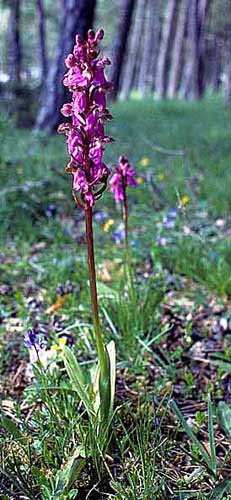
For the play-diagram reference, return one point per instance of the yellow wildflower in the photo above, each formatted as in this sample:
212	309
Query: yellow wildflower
144	162
108	225
160	177
62	342
60	345
139	180
184	200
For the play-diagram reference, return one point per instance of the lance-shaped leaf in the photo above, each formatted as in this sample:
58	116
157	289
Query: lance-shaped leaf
13	429
224	417
208	460
104	386
76	376
70	473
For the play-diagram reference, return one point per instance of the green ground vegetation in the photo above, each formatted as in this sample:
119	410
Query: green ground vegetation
173	341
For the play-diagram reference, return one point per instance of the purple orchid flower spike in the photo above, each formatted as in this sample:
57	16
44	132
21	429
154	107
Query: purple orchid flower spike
124	176
87	110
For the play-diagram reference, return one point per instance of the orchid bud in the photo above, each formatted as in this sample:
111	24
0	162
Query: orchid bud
99	35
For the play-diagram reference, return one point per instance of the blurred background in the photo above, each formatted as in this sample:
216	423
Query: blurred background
163	48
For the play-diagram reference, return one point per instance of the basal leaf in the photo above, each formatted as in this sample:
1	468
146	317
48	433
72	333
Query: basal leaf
12	428
76	376
224	417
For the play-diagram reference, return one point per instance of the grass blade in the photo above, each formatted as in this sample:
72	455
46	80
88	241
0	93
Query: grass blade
211	436
192	436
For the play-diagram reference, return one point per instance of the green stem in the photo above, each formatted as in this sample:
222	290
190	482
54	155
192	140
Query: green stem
93	290
125	215
128	264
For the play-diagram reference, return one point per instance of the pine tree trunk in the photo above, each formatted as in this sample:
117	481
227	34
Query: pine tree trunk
228	88
132	58
203	11
77	17
168	24
42	39
140	48
194	80
215	79
149	48
15	54
154	48
227	85
125	9
176	59
194	49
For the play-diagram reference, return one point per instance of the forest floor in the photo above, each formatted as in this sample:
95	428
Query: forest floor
173	344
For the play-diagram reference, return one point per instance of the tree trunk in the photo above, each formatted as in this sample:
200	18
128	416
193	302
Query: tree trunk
125	9
194	81
77	17
134	43
15	54
149	48
42	39
167	29
216	66
203	11
140	48
213	67
154	48
176	59
227	82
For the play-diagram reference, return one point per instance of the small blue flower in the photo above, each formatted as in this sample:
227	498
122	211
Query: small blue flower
119	236
172	213
33	339
162	241
169	224
100	216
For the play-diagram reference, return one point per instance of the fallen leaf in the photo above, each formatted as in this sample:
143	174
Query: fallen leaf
57	305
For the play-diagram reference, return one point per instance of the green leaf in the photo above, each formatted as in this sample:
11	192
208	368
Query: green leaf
95	388
224	417
39	476
104	389
12	428
221	364
76	376
71	472
185	495
192	436
106	291
221	488
112	358
211	435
